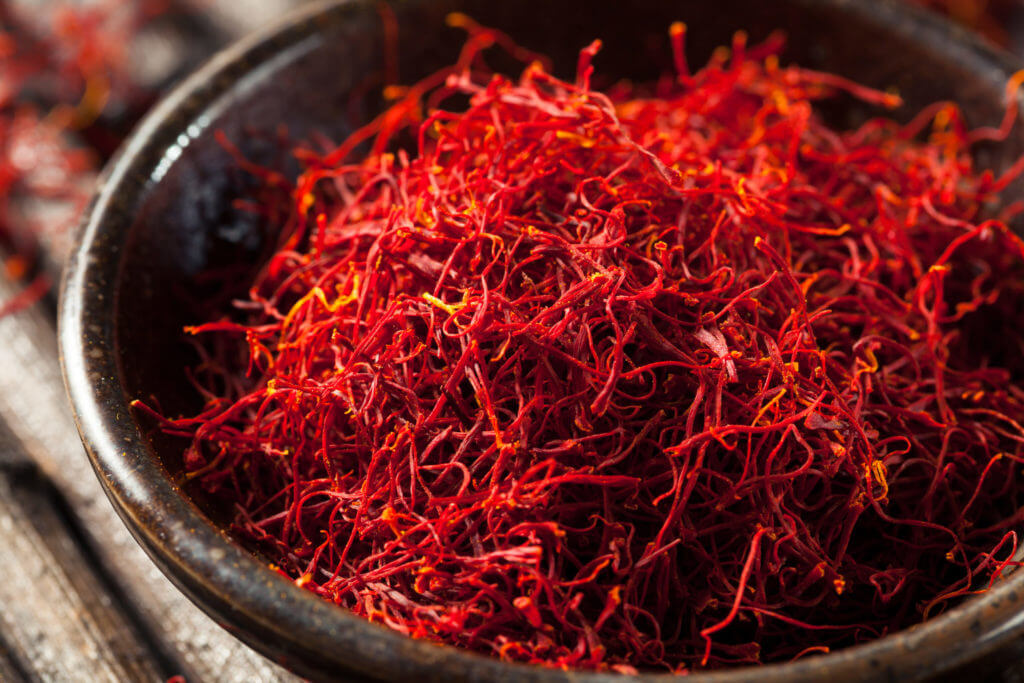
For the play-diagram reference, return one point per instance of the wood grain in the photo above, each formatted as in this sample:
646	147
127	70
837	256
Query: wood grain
11	670
58	620
239	17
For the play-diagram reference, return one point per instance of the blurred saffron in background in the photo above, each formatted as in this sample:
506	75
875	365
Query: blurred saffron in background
1001	21
70	88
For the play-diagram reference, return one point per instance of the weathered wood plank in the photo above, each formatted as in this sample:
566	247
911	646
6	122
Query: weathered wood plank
58	620
34	406
11	670
238	17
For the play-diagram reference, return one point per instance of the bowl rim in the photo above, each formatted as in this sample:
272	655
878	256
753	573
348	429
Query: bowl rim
267	611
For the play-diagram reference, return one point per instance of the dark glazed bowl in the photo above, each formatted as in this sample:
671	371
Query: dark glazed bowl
161	240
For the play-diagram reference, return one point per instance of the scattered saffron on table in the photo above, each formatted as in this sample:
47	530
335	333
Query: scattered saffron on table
654	378
63	67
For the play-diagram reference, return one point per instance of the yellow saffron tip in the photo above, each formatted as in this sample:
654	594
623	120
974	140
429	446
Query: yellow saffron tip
893	100
447	308
394	92
457	20
677	28
1015	82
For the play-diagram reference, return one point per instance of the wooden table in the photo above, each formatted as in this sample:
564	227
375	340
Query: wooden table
79	599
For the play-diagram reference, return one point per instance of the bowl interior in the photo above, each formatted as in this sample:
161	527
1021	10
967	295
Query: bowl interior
186	249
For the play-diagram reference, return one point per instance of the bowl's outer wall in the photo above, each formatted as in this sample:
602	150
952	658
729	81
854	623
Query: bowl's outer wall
163	244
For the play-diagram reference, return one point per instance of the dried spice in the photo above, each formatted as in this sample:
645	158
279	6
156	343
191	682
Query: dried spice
991	18
651	378
61	68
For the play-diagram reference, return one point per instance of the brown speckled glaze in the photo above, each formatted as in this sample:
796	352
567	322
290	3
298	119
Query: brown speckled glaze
162	219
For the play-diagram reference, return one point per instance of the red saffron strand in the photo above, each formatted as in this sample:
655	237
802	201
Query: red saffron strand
748	566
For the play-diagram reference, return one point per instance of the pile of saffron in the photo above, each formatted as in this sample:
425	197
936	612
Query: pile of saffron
651	378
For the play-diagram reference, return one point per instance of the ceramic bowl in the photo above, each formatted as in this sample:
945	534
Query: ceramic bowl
162	241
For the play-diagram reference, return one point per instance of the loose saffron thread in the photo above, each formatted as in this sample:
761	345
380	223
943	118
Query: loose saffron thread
748	566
